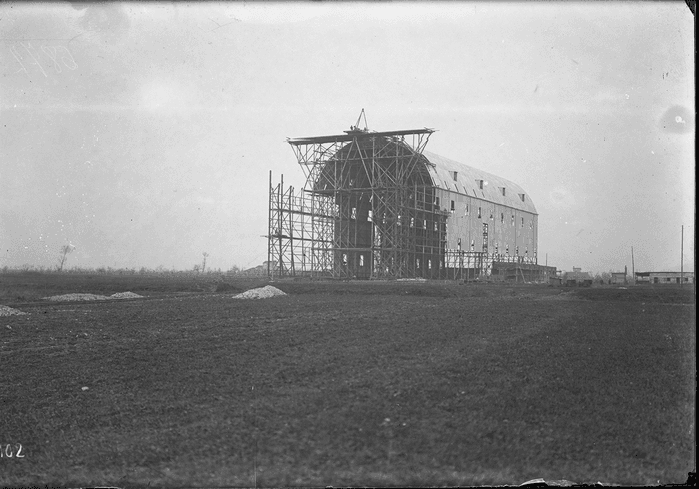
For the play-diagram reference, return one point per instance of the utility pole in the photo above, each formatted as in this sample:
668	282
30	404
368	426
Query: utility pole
682	259
633	269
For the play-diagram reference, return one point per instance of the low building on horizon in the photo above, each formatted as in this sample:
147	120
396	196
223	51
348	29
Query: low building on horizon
664	278
620	278
577	277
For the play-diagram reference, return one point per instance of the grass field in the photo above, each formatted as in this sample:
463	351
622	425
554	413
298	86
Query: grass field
346	384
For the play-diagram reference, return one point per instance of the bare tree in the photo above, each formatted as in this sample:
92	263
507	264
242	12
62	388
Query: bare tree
203	265
63	256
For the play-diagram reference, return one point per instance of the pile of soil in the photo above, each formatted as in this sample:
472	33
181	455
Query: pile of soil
125	295
260	293
93	297
10	311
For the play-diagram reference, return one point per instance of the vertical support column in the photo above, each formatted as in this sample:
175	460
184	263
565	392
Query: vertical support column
291	230
269	228
280	225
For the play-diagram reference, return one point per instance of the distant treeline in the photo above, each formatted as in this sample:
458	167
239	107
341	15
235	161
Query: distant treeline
159	271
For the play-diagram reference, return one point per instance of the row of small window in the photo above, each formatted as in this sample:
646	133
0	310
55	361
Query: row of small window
361	261
353	215
502	215
424	224
429	261
497	250
482	183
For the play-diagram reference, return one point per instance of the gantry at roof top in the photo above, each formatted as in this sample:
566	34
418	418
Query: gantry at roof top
356	134
401	148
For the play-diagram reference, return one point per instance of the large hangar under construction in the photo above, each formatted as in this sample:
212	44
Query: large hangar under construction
376	205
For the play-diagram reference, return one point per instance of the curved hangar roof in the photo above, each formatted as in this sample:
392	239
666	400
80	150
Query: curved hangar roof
476	183
467	181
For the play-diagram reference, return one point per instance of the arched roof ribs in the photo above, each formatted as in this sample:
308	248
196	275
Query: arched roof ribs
398	154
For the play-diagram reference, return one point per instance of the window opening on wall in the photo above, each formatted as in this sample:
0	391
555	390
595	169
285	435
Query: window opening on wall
429	264
436	201
466	213
454	175
517	251
513	219
522	222
480	184
521	196
507	249
424	223
479	213
485	237
370	215
473	245
502	189
361	260
412	222
496	248
354	213
491	215
453	206
502	218
344	258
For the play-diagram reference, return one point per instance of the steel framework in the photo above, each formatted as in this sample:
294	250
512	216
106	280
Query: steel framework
300	232
367	211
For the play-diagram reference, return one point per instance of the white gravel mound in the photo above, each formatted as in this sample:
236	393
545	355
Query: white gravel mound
10	311
260	293
93	297
125	295
77	297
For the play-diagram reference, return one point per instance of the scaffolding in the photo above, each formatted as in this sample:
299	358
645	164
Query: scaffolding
300	233
368	210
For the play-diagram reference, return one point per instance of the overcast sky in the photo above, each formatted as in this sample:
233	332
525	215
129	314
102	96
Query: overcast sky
143	134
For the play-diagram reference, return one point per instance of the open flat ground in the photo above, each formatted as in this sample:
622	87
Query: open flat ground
344	384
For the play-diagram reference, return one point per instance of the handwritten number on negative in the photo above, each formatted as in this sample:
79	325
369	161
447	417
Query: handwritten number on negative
54	53
8	452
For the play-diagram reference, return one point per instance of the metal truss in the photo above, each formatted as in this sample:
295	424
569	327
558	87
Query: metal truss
299	235
367	211
378	216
